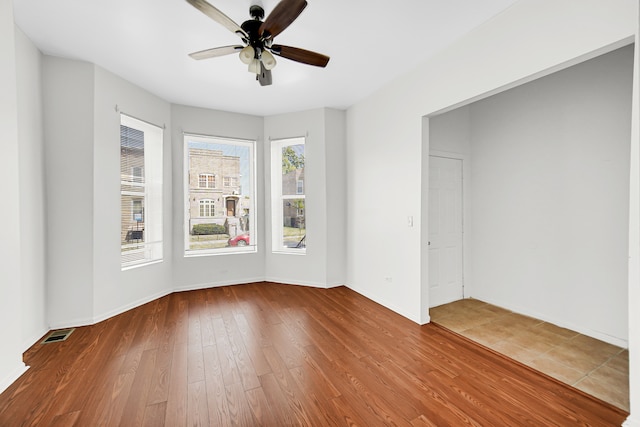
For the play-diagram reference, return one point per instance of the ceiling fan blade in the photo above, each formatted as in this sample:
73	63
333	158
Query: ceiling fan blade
281	17
216	51
265	76
300	55
218	16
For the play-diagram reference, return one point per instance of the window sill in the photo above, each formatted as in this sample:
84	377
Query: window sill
141	264
226	251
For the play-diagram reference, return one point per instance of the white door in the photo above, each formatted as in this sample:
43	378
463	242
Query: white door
445	230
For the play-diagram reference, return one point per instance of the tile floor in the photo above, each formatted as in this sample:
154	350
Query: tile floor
593	366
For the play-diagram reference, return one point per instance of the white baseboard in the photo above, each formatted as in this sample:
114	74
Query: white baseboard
13	375
298	282
111	313
217	284
29	342
385	304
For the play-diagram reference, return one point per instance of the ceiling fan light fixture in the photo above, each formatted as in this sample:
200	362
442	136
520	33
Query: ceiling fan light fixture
247	54
268	60
254	66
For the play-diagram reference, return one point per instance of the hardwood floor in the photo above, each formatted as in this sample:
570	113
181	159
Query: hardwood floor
280	355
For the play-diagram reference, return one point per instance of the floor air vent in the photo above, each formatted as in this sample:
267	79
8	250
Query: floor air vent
57	336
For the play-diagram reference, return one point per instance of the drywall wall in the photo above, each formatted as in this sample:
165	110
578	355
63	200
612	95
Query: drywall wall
11	365
82	105
336	196
216	270
384	131
324	198
115	290
32	192
68	100
634	244
548	231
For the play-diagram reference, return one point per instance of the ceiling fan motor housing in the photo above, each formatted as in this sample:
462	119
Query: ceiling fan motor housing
256	12
252	28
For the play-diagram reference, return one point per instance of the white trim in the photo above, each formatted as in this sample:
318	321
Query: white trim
122	309
34	338
251	144
218	284
277	198
10	378
142	263
390	306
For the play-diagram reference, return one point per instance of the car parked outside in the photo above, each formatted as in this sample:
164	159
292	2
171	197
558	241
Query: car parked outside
239	240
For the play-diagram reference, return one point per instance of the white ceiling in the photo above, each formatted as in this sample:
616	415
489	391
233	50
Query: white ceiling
146	42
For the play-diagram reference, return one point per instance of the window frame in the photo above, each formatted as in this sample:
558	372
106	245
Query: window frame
146	188
278	199
251	145
208	205
207	181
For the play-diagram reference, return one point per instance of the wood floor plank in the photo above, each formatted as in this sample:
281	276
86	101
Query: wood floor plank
154	415
65	420
260	407
197	410
252	345
135	408
216	392
281	355
177	402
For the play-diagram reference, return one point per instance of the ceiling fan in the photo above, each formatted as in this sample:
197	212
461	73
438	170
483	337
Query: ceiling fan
257	35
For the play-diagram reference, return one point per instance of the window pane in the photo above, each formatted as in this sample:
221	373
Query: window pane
293	169
140	192
288	195
293	224
218	219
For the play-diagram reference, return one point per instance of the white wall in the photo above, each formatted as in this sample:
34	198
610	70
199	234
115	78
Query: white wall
203	271
385	132
634	244
550	195
82	105
336	196
114	290
68	100
11	365
530	39
32	192
324	203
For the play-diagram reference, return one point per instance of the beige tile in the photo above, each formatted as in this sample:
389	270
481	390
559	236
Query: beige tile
555	351
584	353
495	331
498	310
482	334
620	362
534	341
514	351
611	377
557	330
515	322
557	370
618	396
592	345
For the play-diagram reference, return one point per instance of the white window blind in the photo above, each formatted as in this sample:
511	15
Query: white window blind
140	192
